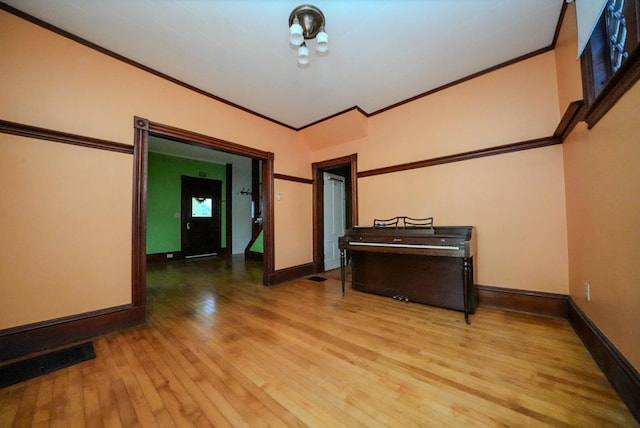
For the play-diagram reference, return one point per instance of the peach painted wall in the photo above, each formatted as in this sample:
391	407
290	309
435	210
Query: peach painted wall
603	210
63	249
516	201
567	62
512	104
293	220
603	213
52	82
339	129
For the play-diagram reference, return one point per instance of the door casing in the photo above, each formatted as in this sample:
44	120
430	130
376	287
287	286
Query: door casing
351	192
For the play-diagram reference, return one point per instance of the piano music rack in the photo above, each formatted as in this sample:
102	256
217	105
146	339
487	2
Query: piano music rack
404	222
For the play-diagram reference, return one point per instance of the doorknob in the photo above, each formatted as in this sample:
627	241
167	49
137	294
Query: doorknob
188	225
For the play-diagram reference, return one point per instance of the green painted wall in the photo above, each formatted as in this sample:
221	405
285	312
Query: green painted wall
258	245
163	199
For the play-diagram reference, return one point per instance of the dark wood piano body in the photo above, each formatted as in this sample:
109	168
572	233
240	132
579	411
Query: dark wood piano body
432	266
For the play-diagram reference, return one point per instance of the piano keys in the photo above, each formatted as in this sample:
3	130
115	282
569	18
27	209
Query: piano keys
423	264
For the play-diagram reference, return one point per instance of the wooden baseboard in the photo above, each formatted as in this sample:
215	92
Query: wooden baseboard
164	257
291	273
533	302
624	378
253	255
177	255
17	342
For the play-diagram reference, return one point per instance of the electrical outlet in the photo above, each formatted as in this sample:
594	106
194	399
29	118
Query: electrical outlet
170	256
587	291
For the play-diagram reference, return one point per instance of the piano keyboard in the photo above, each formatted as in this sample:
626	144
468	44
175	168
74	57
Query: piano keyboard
426	246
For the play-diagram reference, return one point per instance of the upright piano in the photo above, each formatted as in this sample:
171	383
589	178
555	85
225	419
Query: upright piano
413	261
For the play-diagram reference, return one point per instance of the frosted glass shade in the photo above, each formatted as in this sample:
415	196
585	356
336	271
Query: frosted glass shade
303	55
322	41
295	33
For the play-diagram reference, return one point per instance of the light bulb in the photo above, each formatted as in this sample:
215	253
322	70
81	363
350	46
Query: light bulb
322	41
303	54
295	33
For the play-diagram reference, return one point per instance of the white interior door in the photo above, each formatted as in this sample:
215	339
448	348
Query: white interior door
334	218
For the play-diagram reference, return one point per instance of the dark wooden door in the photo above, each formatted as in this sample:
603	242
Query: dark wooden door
201	221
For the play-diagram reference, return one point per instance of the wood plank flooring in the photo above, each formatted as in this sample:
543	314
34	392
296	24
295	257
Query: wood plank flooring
220	349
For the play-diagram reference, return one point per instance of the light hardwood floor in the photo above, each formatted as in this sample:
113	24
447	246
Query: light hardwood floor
219	349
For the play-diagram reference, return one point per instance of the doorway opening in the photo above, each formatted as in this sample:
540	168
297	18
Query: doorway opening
222	182
144	130
334	182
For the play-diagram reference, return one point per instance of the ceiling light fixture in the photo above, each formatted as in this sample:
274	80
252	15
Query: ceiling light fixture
306	22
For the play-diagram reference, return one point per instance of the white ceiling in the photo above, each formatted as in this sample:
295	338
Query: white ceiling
380	52
190	151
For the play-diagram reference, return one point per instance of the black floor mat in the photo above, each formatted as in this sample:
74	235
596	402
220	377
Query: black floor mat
316	278
43	364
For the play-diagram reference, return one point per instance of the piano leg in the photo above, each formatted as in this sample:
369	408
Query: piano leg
466	285
342	269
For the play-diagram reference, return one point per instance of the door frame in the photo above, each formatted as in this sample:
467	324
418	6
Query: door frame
318	168
142	129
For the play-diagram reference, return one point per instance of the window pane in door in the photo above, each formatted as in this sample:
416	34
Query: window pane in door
201	207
